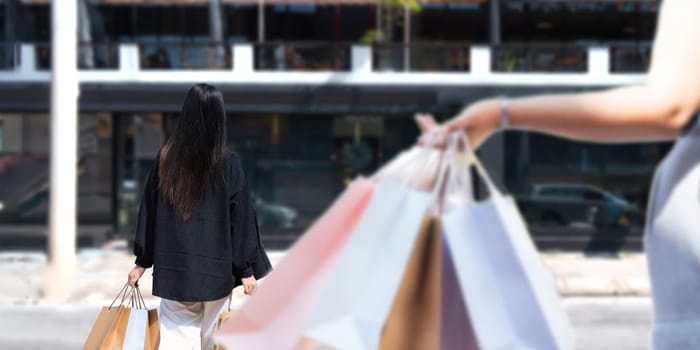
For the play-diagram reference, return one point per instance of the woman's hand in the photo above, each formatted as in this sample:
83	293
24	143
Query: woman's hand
478	120
135	274
249	284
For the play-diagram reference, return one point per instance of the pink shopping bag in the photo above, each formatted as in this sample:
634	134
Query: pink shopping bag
274	316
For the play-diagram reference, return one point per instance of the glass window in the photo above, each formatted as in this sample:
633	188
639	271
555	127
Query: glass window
298	164
139	136
24	169
593	195
2	20
575	21
452	22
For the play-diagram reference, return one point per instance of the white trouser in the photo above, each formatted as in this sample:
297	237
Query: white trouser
189	325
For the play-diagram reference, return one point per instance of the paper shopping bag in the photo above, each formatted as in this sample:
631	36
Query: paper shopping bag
414	321
274	316
114	339
153	330
456	331
352	310
110	326
510	296
105	322
136	329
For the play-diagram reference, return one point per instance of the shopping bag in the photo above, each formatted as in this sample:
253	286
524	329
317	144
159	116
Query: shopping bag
153	330
428	312
114	340
510	296
221	319
274	316
338	319
354	306
103	324
224	315
457	332
414	321
106	324
135	334
144	325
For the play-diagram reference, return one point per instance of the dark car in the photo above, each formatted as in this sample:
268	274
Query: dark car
569	204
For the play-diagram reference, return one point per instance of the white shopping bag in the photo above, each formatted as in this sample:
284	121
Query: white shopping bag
135	336
353	308
509	293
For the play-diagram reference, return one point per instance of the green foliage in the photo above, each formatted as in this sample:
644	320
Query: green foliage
413	5
371	36
392	12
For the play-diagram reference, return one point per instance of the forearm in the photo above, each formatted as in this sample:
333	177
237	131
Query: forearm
634	113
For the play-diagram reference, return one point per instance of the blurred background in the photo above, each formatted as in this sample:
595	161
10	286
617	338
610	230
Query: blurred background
319	91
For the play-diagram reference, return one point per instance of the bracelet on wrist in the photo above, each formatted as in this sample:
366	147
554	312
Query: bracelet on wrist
504	117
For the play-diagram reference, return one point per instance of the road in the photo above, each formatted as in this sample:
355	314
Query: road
599	323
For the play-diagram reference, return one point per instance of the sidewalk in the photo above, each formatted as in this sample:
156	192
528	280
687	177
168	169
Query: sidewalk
101	274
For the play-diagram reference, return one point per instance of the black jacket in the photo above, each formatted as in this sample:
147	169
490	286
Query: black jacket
205	257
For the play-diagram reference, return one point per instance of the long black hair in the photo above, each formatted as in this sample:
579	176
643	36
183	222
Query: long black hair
192	157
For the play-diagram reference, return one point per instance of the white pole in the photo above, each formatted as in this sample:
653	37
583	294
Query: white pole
64	125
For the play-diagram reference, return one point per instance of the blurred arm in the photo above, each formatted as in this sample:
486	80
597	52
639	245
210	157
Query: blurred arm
657	109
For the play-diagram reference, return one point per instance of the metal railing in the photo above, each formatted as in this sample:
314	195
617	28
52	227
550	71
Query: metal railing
185	56
333	57
95	55
421	57
629	58
550	58
290	56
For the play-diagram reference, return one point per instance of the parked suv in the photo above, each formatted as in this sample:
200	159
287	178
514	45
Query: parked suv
567	204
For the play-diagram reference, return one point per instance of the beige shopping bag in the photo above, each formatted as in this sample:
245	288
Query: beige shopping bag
414	320
222	319
110	328
114	339
106	323
153	330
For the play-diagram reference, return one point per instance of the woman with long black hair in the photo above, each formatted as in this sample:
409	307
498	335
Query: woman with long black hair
197	225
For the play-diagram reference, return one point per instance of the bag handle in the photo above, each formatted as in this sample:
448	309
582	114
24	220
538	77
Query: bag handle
471	159
406	164
140	302
444	176
416	167
123	293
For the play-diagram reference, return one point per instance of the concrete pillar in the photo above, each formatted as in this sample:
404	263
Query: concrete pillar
243	59
28	62
598	61
480	60
64	147
361	57
129	60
